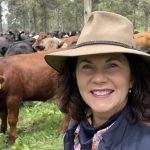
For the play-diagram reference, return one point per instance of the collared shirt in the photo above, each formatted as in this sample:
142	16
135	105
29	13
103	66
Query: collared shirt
95	141
126	134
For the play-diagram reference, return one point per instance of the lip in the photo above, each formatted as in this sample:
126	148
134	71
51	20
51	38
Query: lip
101	93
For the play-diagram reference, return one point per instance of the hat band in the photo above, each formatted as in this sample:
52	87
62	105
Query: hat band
103	42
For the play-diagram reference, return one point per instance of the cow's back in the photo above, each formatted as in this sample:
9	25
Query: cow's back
28	76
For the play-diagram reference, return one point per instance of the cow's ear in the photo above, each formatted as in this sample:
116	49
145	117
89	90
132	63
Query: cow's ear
21	32
39	47
10	32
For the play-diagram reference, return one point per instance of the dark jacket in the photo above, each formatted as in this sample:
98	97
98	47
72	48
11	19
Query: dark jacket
125	134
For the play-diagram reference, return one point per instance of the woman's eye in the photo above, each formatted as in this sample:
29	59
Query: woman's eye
87	67
112	65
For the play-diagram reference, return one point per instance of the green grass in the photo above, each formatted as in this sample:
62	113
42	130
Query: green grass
38	128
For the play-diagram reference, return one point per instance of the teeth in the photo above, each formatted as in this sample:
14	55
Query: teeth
101	93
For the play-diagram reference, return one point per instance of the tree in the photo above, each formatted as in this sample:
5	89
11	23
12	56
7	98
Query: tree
67	15
1	27
87	9
144	5
1	9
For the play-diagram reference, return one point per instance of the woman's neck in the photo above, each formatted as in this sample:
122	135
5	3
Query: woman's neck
97	121
100	119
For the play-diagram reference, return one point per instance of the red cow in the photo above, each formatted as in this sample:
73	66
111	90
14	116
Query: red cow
23	77
142	39
69	41
45	43
38	40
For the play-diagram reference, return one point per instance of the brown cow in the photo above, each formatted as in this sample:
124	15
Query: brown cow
23	77
45	42
50	43
69	41
142	39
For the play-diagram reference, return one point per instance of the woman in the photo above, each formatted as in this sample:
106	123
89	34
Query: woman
104	87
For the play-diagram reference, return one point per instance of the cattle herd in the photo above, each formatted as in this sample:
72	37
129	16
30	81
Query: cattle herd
21	43
26	76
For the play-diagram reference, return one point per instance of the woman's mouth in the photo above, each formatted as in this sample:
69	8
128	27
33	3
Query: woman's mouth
102	93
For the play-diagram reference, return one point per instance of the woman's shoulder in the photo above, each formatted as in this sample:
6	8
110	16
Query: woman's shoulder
145	125
138	129
139	134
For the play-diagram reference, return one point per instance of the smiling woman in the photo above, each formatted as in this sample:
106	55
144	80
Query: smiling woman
104	81
104	86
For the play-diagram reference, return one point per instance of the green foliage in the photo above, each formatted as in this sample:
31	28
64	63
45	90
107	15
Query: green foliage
68	15
38	128
130	8
45	15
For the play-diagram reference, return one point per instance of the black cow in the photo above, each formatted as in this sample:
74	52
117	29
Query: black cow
19	47
4	45
14	36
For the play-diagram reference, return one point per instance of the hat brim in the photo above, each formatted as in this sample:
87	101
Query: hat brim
56	59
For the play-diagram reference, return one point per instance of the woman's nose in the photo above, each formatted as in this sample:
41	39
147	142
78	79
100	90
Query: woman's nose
99	77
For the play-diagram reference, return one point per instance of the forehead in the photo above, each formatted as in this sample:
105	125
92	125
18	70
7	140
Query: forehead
111	56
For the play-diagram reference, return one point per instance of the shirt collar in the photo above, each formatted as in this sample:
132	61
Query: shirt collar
114	135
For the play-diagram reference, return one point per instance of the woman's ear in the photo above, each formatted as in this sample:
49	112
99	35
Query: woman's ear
131	82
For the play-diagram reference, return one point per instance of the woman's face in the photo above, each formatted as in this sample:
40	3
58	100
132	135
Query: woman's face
104	81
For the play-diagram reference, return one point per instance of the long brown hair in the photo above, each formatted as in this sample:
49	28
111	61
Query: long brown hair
139	98
71	103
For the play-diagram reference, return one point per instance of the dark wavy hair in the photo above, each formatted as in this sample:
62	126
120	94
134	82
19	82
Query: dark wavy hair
71	103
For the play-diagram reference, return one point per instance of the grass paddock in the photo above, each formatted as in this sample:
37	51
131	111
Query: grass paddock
38	128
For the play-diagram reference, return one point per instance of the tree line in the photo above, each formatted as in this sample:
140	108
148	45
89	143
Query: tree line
68	15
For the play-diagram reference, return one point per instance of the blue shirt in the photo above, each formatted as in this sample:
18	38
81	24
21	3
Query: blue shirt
126	134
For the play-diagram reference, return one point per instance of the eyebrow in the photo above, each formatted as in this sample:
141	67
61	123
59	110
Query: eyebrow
114	58
84	61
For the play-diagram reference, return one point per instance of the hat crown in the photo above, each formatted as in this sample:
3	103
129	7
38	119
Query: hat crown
104	33
106	26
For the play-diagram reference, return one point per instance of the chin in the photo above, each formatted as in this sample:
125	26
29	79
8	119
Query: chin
105	109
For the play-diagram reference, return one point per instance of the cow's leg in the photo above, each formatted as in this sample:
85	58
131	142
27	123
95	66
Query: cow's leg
3	116
13	104
65	124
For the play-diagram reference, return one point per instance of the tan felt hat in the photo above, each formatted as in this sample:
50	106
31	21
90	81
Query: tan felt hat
104	32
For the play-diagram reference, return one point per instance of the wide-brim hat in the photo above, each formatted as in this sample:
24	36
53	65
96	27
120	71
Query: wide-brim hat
104	32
